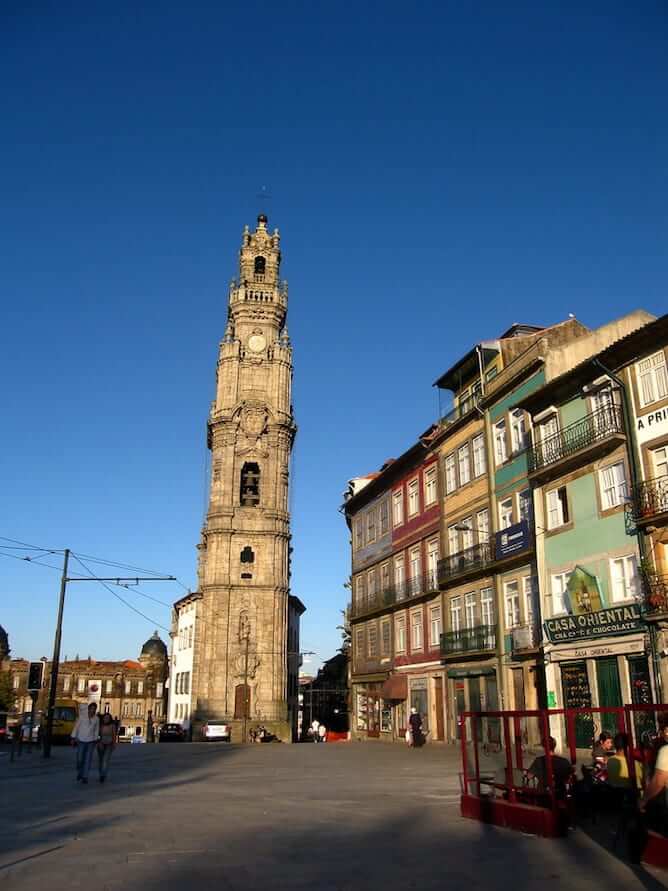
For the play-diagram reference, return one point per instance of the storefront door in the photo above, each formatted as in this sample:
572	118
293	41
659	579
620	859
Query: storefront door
609	691
575	686
439	704
460	705
474	704
373	716
641	694
493	724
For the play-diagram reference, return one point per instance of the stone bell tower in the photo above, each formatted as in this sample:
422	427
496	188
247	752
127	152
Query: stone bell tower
241	658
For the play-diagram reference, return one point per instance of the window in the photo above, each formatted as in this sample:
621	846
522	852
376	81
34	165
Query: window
624	578
524	505
453	540
359	645
249	490
259	266
464	464
602	398
81	685
660	462
479	460
140	688
430	486
467	533
500	447
482	524
397	508
511	596
559	598
469	609
371	526
16	680
491	373
487	607
450	474
413	498
384	518
456	613
371	586
191	631
359	590
557	508
416	630
434	625
385	577
400	634
414	565
385	638
109	685
652	378
432	562
128	687
505	513
187	683
359	534
66	682
612	481
518	431
529	588
159	687
372	641
399	576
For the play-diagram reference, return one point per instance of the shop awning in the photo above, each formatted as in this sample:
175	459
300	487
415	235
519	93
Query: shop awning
395	687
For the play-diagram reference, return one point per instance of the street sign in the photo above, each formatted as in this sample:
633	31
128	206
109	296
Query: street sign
35	676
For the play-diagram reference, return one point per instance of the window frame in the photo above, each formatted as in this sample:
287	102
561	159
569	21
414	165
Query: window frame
413	492
479	466
397	508
464	463
500	437
512	608
400	634
506	502
652	369
450	471
419	625
562	505
619	489
435	639
430	486
635	580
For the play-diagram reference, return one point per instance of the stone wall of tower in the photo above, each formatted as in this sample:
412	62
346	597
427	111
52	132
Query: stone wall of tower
244	549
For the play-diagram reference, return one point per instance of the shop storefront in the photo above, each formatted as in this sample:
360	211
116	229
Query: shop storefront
598	659
473	689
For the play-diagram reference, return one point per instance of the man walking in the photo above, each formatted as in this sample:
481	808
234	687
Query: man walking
85	735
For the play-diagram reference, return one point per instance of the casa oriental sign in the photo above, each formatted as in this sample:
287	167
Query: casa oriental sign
615	620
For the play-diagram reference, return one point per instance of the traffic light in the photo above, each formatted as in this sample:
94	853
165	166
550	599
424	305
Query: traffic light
35	676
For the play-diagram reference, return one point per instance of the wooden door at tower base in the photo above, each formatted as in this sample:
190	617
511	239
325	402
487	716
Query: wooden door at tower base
242	696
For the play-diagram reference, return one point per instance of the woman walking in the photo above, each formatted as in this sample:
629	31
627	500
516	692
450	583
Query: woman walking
106	745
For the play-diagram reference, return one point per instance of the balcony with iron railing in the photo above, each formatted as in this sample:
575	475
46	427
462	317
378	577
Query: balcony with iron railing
396	593
461	410
474	559
590	434
525	638
655	594
479	639
649	499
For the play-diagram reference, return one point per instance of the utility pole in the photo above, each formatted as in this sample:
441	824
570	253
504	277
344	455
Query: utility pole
56	659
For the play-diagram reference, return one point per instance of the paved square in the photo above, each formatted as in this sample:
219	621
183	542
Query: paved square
337	816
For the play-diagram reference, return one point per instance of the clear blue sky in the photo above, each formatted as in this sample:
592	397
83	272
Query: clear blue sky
437	171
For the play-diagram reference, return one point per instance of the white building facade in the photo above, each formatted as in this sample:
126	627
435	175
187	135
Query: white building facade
184	619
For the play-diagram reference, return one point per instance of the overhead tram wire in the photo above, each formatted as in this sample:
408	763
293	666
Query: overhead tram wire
31	560
31	547
118	596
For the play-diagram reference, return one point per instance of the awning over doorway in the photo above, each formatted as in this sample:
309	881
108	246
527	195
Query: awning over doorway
395	687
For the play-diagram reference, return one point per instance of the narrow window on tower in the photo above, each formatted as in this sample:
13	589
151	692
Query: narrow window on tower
250	485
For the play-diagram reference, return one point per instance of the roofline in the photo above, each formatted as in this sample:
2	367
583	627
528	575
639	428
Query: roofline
191	595
377	485
622	352
297	603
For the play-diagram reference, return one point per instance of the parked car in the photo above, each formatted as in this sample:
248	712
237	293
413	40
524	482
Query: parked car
214	731
171	733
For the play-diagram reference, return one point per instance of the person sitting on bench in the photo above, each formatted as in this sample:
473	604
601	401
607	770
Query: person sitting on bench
561	769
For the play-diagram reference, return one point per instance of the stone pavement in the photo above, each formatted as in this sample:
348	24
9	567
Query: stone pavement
337	816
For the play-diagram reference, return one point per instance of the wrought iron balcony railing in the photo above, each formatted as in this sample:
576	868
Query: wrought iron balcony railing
468	640
650	498
413	587
525	637
655	590
464	408
479	556
597	426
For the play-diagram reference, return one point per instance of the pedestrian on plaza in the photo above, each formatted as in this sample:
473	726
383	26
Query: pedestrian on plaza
106	745
85	735
415	726
314	730
322	733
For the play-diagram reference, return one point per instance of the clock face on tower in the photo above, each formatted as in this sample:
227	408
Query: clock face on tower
256	343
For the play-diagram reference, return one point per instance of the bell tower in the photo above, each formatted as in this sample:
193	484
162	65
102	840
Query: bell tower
241	658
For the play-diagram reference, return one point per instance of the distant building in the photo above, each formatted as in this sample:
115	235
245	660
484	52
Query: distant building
325	698
132	691
185	614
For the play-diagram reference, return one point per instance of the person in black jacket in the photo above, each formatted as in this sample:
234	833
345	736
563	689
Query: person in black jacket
415	723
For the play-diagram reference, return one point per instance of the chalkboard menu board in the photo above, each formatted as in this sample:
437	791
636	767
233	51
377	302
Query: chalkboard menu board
641	690
577	694
576	685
